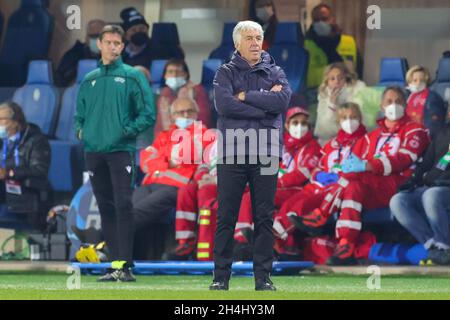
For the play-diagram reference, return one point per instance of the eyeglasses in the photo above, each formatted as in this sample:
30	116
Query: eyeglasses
189	112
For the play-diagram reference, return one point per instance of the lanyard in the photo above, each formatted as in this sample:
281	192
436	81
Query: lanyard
292	158
340	151
5	152
384	143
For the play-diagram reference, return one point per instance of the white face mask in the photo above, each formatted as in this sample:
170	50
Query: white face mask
175	83
350	125
322	28
298	131
414	88
394	111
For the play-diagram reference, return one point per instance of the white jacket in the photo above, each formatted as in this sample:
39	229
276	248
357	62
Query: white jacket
326	126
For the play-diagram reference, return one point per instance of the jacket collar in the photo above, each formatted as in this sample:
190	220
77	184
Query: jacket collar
112	65
264	64
399	123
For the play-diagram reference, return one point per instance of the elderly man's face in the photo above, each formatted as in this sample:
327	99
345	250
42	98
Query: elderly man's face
183	108
250	46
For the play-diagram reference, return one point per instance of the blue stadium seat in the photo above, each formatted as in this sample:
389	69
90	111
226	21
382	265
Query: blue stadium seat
393	72
378	216
209	69
28	37
66	171
290	55
39	98
156	73
442	83
165	39
226	48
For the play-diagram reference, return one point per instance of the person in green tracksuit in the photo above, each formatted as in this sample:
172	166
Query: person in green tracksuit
114	104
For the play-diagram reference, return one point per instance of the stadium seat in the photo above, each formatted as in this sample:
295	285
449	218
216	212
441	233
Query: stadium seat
39	98
393	72
165	39
156	73
28	36
209	69
290	55
66	171
226	48
442	83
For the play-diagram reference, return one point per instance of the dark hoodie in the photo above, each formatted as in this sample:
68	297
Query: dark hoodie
261	109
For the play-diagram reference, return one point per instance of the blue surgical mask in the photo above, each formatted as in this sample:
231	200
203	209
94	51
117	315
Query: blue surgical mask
3	132
175	83
93	45
322	28
183	123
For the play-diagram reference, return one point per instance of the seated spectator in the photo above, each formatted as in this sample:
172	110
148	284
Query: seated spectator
340	85
326	173
177	84
24	187
326	44
379	164
425	106
67	69
263	12
166	164
140	50
423	204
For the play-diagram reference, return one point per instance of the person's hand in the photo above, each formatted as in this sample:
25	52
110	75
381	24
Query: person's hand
409	186
353	164
206	180
334	95
325	178
2	174
241	96
276	88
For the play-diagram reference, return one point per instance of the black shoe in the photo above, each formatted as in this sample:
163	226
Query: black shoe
126	276
264	284
219	285
110	276
439	256
309	230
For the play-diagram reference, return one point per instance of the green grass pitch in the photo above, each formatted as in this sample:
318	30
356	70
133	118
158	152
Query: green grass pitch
54	286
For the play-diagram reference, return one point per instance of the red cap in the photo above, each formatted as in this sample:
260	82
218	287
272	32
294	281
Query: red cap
294	111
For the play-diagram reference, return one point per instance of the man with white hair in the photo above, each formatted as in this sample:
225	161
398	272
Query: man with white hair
251	93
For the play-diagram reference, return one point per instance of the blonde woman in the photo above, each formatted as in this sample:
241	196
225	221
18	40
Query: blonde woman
340	85
425	107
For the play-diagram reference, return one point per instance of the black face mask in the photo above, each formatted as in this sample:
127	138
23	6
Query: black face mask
139	39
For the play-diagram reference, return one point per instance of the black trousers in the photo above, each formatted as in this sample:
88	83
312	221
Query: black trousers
151	204
231	182
112	179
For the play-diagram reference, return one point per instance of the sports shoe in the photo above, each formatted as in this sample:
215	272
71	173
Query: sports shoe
219	285
264	284
310	224
439	256
343	254
110	276
126	275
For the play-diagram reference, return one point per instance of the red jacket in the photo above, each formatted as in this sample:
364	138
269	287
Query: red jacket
300	162
337	150
394	152
186	156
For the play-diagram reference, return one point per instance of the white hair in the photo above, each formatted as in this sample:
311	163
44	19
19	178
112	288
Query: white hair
192	102
243	26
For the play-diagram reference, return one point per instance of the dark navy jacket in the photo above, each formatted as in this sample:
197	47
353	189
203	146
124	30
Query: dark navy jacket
261	109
